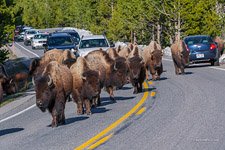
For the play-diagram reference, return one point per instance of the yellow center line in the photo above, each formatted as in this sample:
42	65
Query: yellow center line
103	140
150	82
152	94
143	109
115	124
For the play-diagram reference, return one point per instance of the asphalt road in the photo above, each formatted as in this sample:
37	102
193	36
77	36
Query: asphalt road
180	112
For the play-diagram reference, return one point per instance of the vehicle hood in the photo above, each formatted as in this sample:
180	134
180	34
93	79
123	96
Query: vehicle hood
37	40
84	51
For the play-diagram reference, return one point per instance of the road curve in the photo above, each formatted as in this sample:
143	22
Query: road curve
187	112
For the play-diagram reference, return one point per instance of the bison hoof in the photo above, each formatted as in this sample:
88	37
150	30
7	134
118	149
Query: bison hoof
113	99
54	125
88	112
135	92
79	112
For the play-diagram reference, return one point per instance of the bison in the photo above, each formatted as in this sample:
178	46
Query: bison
152	55
21	77
113	73
180	56
6	85
65	57
52	88
220	44
137	73
86	85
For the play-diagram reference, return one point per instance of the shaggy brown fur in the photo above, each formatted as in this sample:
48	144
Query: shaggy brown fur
52	89
86	85
180	56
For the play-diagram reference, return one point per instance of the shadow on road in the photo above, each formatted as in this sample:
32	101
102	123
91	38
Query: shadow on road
148	90
9	131
75	119
106	100
99	110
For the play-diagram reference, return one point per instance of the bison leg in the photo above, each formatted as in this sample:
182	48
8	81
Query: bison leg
54	119
139	87
110	91
79	108
59	108
87	106
146	73
135	89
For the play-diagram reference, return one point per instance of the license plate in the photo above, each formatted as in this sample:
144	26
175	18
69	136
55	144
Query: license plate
199	55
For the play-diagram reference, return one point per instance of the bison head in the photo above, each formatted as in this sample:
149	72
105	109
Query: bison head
120	72
91	84
9	86
156	58
135	67
45	92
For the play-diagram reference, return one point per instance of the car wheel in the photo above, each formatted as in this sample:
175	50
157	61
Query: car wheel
215	63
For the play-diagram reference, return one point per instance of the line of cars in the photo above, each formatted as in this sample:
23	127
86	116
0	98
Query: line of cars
67	38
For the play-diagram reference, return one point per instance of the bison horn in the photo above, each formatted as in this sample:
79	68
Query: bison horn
50	82
115	67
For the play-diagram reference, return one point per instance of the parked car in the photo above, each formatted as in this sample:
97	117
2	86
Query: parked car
29	34
60	41
74	34
38	40
93	42
203	49
19	37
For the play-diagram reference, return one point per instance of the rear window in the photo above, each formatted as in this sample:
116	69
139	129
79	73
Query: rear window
92	43
198	40
60	41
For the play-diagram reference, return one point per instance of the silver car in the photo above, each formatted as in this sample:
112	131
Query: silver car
29	34
38	40
91	43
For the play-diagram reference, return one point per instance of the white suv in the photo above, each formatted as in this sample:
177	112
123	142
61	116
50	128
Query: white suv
29	34
91	43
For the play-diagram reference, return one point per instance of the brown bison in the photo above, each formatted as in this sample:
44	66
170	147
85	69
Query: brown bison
220	44
152	55
180	56
6	85
65	57
113	73
136	70
21	77
86	85
52	89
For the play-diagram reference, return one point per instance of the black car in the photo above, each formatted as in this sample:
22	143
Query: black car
202	48
60	41
73	33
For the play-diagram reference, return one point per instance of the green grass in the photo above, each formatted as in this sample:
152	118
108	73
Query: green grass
10	98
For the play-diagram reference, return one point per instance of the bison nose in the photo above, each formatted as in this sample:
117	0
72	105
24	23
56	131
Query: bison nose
39	103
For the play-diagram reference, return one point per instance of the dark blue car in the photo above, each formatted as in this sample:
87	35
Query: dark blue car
202	48
60	41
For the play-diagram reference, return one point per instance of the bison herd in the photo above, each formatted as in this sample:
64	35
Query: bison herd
59	76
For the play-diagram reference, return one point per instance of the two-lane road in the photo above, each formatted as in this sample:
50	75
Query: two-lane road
179	112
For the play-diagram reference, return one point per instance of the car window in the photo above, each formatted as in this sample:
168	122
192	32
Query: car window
31	32
41	36
198	40
60	41
91	43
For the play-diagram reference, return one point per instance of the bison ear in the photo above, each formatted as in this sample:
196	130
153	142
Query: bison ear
34	64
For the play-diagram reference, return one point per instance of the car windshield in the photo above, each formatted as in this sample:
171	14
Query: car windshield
92	43
60	41
41	36
198	40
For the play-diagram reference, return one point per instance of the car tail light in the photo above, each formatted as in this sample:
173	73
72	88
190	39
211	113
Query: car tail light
212	47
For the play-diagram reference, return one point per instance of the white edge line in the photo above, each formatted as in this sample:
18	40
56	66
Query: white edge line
17	114
27	49
222	69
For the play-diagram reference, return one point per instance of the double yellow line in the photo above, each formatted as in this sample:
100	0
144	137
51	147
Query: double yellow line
104	135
